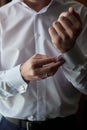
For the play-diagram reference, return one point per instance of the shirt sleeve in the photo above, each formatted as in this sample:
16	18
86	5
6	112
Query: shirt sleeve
75	68
11	82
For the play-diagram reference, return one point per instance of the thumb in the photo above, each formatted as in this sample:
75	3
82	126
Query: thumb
71	10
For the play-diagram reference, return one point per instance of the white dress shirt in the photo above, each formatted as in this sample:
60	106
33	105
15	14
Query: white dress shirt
24	32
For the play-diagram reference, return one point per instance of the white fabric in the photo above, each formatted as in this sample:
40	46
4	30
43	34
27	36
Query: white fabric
24	32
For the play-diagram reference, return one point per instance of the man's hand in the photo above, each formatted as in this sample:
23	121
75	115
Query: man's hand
40	67
65	30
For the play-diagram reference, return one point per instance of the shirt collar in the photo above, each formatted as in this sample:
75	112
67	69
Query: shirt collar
15	1
22	0
41	11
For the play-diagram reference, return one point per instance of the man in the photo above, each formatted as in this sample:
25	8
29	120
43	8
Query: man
43	66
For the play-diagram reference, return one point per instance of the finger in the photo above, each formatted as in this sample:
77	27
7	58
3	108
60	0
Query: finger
51	68
54	35
60	30
39	56
72	11
77	16
46	71
45	61
67	25
76	22
73	19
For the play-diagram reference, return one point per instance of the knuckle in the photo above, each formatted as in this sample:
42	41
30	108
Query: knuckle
32	65
61	18
36	55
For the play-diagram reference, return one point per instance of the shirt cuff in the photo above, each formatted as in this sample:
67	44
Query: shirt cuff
15	80
74	58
